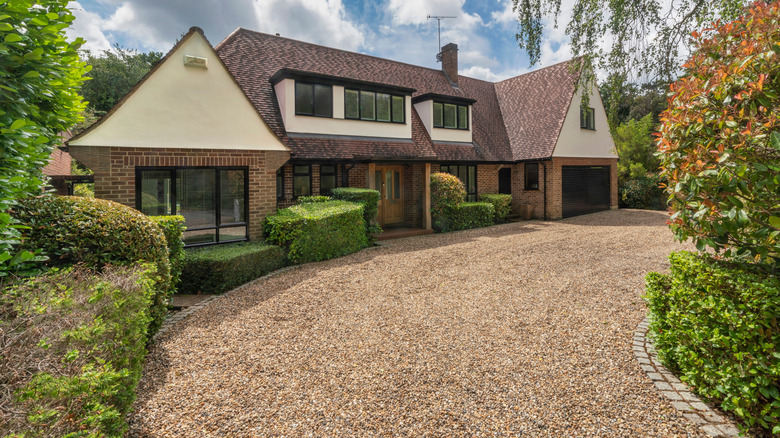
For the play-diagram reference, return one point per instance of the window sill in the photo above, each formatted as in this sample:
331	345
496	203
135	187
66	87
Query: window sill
588	129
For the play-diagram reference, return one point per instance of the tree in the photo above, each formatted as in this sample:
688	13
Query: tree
720	139
41	73
626	24
113	74
624	101
636	148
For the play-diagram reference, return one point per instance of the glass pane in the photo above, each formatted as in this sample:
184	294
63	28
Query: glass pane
351	98
383	107
396	185
388	185
472	179
462	175
327	183
196	197
327	169
398	109
156	192
438	115
323	100
367	106
232	233
199	236
301	169
445	169
232	206
378	180
463	117
280	183
532	176
301	186
303	98
450	116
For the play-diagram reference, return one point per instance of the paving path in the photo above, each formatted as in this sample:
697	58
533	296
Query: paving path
522	329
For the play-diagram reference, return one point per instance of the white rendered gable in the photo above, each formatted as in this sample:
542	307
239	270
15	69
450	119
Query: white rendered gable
574	141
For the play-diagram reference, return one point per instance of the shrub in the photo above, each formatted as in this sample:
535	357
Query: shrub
716	323
96	232
220	268
447	191
471	215
310	199
643	192
173	228
720	139
73	350
370	200
318	231
502	204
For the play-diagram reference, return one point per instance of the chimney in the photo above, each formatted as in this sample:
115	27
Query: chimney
449	62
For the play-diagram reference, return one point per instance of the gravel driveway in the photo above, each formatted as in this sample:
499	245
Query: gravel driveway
521	329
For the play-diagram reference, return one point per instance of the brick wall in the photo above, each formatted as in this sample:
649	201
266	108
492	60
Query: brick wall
522	196
115	172
554	195
414	185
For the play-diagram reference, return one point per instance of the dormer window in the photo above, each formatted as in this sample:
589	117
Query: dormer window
373	106
588	119
450	116
313	99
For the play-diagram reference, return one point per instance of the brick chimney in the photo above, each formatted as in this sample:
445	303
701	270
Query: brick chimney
449	62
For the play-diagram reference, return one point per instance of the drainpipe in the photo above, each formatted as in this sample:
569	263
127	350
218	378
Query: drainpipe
544	165
345	173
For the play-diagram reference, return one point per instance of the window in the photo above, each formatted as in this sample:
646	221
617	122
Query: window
301	181
467	175
212	200
280	183
587	118
531	176
327	179
450	116
372	106
313	100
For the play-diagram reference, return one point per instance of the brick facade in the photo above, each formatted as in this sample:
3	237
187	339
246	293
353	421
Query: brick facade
115	172
555	194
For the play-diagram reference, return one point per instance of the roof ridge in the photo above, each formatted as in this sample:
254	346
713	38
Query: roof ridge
539	70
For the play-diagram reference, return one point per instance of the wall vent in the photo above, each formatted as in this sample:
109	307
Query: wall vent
196	61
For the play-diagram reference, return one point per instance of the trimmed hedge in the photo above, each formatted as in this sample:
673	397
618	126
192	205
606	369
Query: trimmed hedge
220	268
173	228
370	200
318	231
95	232
717	325
502	204
77	353
471	215
448	210
310	199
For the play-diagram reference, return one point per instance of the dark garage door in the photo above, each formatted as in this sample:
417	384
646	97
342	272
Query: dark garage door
585	189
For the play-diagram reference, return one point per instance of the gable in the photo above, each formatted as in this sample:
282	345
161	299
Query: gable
188	107
575	141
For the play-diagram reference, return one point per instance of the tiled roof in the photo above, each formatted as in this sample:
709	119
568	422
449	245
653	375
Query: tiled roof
254	57
534	106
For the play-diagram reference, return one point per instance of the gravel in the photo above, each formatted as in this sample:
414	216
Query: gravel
522	329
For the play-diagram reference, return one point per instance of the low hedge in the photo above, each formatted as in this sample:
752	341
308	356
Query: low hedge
95	232
502	204
318	231
370	200
220	268
77	353
643	193
472	215
717	325
310	199
173	228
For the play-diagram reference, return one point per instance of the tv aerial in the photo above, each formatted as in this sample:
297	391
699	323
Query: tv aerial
438	20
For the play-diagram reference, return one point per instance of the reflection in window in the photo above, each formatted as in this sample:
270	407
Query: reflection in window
467	174
531	176
450	116
301	181
327	179
373	106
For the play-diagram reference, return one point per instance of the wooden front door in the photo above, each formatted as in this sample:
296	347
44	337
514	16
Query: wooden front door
389	182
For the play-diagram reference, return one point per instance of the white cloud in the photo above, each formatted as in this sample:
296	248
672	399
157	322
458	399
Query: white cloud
505	15
88	25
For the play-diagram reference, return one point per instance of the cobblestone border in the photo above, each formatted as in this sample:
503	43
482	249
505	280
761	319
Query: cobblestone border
678	393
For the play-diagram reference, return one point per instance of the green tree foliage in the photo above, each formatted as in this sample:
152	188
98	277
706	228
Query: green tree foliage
626	23
624	101
636	148
720	139
41	73
114	73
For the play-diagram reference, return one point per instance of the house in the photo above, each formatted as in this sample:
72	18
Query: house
225	135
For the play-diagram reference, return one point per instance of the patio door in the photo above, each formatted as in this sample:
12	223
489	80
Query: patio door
389	182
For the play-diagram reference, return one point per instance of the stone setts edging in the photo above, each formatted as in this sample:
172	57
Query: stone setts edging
678	393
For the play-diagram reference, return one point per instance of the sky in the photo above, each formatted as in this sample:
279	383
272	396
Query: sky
395	29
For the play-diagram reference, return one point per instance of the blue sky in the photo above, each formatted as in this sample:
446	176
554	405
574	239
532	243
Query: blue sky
397	29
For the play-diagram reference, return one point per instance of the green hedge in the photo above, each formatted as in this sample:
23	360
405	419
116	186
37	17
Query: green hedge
220	268
472	215
370	200
96	232
173	228
310	199
717	325
78	350
318	231
502	204
643	192
447	192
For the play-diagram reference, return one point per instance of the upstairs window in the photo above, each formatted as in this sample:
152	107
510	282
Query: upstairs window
313	99
450	116
587	118
372	106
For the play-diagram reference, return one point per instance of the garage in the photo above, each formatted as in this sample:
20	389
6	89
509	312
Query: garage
585	189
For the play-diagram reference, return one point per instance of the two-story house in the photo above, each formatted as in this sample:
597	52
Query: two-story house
225	135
